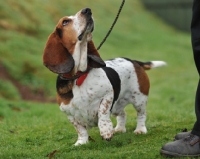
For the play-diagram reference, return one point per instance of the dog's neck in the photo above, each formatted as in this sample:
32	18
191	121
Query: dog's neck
81	68
80	54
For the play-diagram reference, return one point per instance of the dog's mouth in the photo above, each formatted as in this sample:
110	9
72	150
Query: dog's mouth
89	27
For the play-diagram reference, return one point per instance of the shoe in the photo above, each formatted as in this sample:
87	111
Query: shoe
182	135
185	147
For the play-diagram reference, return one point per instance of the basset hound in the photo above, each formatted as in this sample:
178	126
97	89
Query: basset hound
89	89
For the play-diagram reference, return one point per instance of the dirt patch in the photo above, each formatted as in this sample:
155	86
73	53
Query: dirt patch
25	92
1	117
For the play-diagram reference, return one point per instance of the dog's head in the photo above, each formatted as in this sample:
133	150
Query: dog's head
70	47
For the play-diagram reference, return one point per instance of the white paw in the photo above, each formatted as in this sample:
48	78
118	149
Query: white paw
107	134
140	130
81	142
120	129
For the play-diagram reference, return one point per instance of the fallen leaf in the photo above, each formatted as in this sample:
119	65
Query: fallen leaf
50	155
12	131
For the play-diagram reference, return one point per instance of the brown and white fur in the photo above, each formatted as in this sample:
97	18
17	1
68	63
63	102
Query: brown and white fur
70	49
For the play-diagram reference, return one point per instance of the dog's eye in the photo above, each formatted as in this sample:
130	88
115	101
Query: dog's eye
65	22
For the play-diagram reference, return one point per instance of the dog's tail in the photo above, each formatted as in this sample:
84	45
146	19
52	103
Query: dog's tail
151	64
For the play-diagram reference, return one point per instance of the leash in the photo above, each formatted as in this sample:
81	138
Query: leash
113	24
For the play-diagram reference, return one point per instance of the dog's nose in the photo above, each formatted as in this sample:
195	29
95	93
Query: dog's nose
86	11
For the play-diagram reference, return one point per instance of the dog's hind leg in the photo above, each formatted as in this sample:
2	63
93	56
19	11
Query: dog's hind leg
120	114
121	121
140	106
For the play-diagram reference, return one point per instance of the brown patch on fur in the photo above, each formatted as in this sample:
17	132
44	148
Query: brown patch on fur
56	57
59	48
63	90
54	52
64	93
69	35
143	79
62	100
147	67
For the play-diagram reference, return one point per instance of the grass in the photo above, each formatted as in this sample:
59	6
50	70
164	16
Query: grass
34	130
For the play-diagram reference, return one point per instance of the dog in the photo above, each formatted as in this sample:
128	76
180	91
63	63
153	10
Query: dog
89	89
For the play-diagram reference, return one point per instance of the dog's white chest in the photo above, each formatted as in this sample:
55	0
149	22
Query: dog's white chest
84	106
82	112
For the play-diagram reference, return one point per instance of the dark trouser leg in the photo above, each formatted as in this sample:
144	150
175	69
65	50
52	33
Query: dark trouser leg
196	128
195	32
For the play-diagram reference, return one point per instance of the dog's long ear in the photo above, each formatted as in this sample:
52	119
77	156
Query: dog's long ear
94	59
56	57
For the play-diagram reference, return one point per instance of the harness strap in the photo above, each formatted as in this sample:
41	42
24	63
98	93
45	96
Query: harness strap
115	82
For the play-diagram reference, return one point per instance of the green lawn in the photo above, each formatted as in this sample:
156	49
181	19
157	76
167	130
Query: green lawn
34	130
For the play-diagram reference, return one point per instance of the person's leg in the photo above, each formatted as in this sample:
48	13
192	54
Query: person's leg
195	33
189	146
196	128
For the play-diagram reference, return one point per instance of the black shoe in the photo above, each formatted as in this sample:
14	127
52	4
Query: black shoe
182	135
186	147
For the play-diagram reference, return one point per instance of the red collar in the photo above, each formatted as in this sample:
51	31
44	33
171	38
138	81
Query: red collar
80	76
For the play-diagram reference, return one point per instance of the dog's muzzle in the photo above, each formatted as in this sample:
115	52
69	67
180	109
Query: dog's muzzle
89	22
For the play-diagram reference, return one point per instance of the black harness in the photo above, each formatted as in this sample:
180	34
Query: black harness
115	82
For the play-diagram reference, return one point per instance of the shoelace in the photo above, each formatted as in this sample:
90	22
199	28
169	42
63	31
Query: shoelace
190	139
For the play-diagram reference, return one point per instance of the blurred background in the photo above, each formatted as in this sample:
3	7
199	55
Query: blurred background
177	13
146	30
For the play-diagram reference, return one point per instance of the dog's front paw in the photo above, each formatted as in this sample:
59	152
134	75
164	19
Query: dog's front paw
107	135
81	141
140	130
